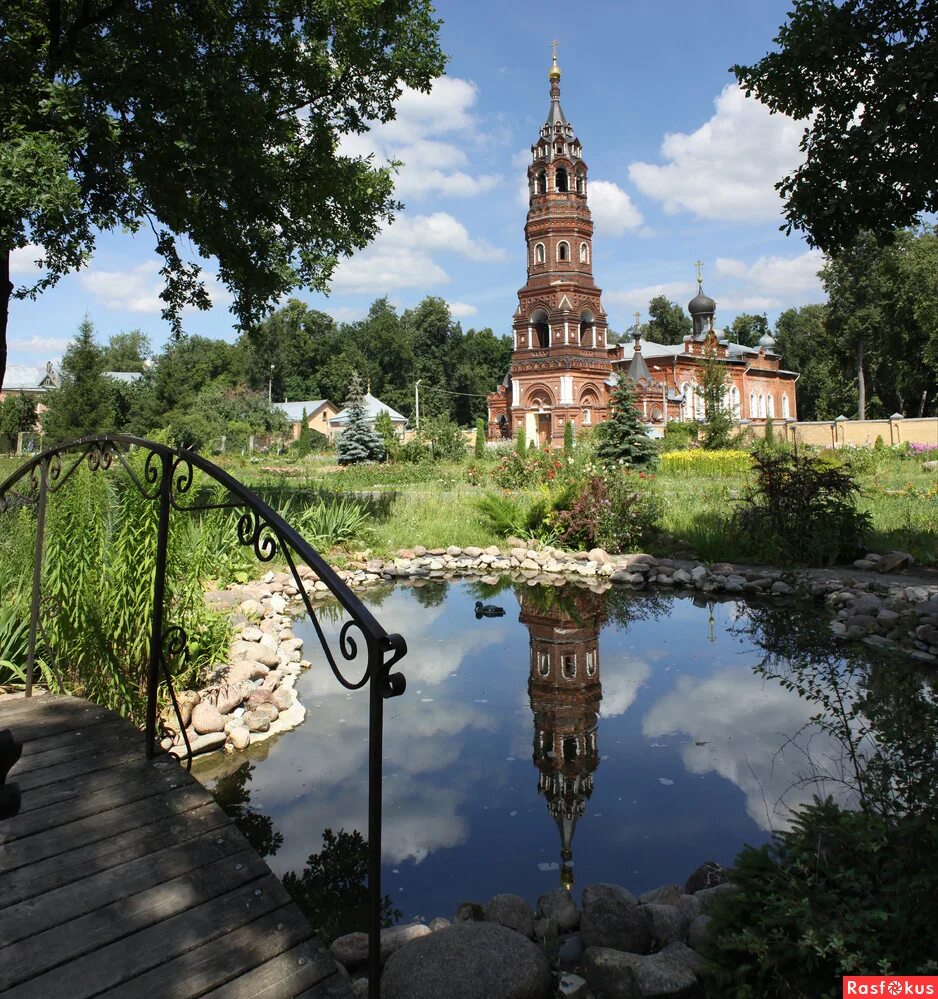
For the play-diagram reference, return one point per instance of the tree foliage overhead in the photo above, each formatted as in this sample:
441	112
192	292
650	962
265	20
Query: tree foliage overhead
667	321
863	75
215	124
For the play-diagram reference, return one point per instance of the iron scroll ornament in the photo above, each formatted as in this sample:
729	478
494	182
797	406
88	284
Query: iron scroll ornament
259	526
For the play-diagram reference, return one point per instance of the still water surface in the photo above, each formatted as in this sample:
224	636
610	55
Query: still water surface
623	737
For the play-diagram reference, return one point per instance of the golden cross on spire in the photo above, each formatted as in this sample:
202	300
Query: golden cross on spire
553	46
638	316
699	266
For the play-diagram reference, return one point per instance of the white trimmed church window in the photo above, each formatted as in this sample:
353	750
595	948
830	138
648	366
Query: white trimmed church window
543	663
539	253
584	253
569	667
785	410
563	250
771	402
587	417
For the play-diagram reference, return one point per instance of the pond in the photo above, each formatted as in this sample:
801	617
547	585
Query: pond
624	736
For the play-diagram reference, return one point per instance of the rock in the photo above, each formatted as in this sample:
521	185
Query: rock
682	954
611	917
723	569
664	923
187	700
395	937
511	911
360	988
268	709
668	895
207	718
207	743
895	562
282	698
256	721
470	961
559	908
469	912
350	950
226	698
251	608
570	952
689	907
277	604
699	573
615	975
573	987
440	923
697	931
780	588
240	738
599	555
709	873
251	633
707	896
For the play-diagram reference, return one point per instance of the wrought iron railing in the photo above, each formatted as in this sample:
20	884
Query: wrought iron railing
167	479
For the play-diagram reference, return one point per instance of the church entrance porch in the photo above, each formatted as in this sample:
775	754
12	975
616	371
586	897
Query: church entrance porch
543	428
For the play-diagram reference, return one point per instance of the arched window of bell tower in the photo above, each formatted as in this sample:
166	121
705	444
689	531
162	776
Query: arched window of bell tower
539	253
560	180
580	182
542	182
584	253
563	250
587	327
541	326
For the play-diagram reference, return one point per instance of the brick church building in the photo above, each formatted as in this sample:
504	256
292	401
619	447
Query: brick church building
562	367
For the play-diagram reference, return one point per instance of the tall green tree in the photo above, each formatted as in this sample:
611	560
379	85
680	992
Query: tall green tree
747	329
215	125
718	420
862	76
623	437
667	321
82	404
17	416
128	352
824	389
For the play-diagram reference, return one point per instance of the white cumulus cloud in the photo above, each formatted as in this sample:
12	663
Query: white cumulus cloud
640	297
137	288
728	167
613	210
23	260
461	310
780	277
39	344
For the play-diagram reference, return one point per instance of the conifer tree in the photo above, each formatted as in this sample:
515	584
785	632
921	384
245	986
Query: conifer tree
520	445
359	441
718	430
83	403
623	438
568	438
384	428
480	439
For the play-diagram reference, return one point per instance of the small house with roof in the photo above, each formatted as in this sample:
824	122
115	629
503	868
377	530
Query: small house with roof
318	414
373	407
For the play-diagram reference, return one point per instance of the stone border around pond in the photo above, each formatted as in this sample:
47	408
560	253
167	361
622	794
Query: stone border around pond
886	613
613	945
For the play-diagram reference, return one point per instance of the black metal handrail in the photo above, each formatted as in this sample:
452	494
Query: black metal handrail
168	475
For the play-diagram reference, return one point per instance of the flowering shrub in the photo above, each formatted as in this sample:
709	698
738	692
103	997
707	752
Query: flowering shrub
535	467
917	450
699	462
611	512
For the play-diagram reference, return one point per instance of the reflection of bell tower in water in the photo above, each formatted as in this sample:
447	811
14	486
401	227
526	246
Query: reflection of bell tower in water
565	694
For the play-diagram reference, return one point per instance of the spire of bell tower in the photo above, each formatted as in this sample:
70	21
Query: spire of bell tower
554	74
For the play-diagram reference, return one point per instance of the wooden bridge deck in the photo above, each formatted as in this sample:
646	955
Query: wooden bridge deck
122	876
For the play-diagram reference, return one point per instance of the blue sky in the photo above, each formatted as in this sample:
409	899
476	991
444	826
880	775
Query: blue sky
681	167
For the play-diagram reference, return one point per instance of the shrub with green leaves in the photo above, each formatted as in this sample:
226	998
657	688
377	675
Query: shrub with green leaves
839	893
802	509
613	512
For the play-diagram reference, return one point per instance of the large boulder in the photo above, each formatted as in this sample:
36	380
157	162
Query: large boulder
207	718
612	917
511	911
615	975
559	908
708	896
470	960
667	895
665	924
708	875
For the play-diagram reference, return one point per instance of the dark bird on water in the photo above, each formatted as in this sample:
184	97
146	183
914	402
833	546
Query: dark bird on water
488	610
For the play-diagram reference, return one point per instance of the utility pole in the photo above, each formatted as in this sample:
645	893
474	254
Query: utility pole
270	386
417	402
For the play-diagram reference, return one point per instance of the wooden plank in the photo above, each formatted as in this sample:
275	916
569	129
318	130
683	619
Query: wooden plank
52	908
75	769
77	744
97	827
54	723
196	817
72	735
131	766
143	780
256	958
334	987
88	933
133	955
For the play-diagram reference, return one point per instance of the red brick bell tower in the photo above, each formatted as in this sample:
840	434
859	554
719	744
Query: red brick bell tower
560	361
